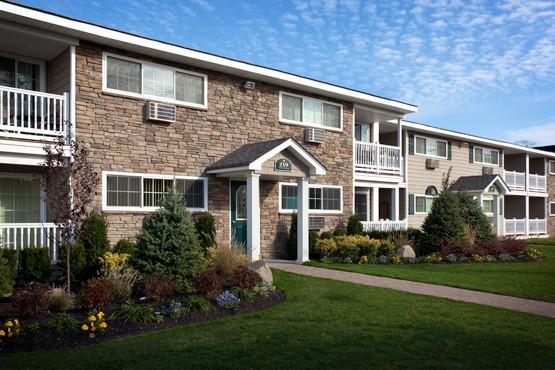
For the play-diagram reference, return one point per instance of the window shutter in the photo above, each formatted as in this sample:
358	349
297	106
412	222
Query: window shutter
411	144
471	153
501	158
449	150
411	204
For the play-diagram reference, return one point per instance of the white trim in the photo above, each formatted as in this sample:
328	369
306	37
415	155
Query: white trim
484	148
308	124
551	165
431	155
142	208
422	196
143	63
552	214
312	211
72	92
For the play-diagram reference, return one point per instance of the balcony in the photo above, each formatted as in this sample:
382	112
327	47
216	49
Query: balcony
537	226
537	183
517	227
515	180
375	158
32	115
22	235
384	225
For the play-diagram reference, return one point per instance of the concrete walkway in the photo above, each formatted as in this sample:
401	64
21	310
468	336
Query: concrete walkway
464	295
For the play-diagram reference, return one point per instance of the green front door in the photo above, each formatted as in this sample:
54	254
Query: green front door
239	211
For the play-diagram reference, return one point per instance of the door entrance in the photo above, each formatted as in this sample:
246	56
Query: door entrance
239	211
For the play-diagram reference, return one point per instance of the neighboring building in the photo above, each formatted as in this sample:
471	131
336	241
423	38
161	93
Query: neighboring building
249	144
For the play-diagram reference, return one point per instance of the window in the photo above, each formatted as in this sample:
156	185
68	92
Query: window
362	132
22	74
431	190
486	156
487	205
552	208
323	199
361	206
423	203
552	167
142	192
20	200
142	79
430	147
310	112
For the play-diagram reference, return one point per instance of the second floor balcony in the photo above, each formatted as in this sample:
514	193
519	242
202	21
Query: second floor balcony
376	158
516	181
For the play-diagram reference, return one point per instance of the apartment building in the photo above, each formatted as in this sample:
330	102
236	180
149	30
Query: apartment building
249	144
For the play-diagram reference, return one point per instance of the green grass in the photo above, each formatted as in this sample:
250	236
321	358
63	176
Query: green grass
534	280
328	324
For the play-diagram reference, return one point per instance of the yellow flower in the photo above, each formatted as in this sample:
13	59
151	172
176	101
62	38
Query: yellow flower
103	325
2	333
16	321
93	328
92	318
9	324
100	314
85	327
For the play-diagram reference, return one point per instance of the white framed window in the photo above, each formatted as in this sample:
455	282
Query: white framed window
552	167
430	147
300	110
486	156
552	208
122	191
321	198
423	204
487	205
22	73
133	77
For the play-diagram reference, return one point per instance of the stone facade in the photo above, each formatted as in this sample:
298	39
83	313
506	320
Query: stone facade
121	140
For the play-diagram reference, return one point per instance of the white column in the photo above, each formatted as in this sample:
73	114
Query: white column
496	218
253	216
395	204
527	198
375	204
399	133
376	132
302	220
527	172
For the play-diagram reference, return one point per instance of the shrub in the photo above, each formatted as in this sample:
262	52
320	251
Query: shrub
386	248
292	239
34	264
95	324
312	239
60	300
225	260
228	300
115	266
354	226
368	247
6	277
159	287
77	259
94	238
32	300
197	303
245	277
96	292
347	247
124	246
326	235
63	323
244	294
206	230
326	247
176	309
11	256
130	312
513	246
474	218
168	244
209	283
340	231
534	254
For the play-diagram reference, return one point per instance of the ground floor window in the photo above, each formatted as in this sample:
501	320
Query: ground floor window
552	208
19	200
361	206
423	203
123	191
321	198
487	205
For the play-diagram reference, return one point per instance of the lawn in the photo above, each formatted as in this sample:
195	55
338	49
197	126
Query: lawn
329	324
535	280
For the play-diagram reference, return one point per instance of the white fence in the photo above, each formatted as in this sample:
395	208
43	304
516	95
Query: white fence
517	226
384	225
537	226
515	180
19	236
377	158
537	183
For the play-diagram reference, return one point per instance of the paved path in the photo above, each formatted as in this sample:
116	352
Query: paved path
465	295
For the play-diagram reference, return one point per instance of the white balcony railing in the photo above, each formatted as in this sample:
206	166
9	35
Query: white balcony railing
377	158
515	226
537	226
23	235
537	183
515	180
384	225
32	114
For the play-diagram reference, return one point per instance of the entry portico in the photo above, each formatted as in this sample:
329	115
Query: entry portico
274	160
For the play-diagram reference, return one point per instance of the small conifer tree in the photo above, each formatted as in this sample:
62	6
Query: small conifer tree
475	219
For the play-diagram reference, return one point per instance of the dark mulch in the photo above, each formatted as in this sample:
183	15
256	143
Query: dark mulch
45	339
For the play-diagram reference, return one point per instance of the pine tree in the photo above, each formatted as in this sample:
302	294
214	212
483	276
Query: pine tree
93	236
168	244
474	218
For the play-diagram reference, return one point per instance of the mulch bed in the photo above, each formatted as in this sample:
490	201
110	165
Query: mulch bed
45	339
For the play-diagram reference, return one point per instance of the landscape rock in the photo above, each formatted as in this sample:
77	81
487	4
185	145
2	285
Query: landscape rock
263	270
405	251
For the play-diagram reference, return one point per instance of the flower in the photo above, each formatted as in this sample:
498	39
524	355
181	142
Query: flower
9	324
103	325
84	327
100	314
2	333
92	318
16	322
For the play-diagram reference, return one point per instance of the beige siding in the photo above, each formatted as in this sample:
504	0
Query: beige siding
58	73
419	178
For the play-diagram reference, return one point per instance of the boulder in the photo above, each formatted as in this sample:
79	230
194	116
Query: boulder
263	270
405	251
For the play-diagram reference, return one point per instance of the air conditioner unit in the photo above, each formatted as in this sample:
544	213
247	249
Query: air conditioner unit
432	163
161	112
487	170
316	223
314	135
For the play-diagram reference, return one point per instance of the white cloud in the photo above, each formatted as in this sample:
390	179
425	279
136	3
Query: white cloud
536	135
204	4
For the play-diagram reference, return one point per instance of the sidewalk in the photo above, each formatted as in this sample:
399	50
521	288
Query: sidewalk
464	295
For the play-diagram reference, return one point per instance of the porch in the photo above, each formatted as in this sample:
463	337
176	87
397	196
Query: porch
525	173
381	208
525	216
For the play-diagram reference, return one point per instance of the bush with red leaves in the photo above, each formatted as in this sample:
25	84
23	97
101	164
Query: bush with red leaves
245	277
209	283
32	300
96	293
159	287
495	247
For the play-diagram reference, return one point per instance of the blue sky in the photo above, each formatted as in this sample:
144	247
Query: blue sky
482	67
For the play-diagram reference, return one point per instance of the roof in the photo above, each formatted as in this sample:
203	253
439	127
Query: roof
251	156
476	183
547	148
112	37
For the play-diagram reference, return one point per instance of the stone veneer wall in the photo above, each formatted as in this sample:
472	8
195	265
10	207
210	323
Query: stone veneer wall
121	140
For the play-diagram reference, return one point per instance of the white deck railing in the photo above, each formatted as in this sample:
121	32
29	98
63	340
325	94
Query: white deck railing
515	226
537	183
23	235
515	180
32	114
537	226
384	225
377	158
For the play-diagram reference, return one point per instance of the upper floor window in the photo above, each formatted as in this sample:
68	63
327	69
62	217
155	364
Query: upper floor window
552	208
141	79
301	110
21	73
486	156
552	167
430	147
362	132
321	198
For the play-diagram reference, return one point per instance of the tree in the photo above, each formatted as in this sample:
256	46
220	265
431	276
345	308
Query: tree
93	236
206	230
354	226
168	244
69	187
475	219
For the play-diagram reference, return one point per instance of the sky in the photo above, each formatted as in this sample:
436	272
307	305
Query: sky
481	67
